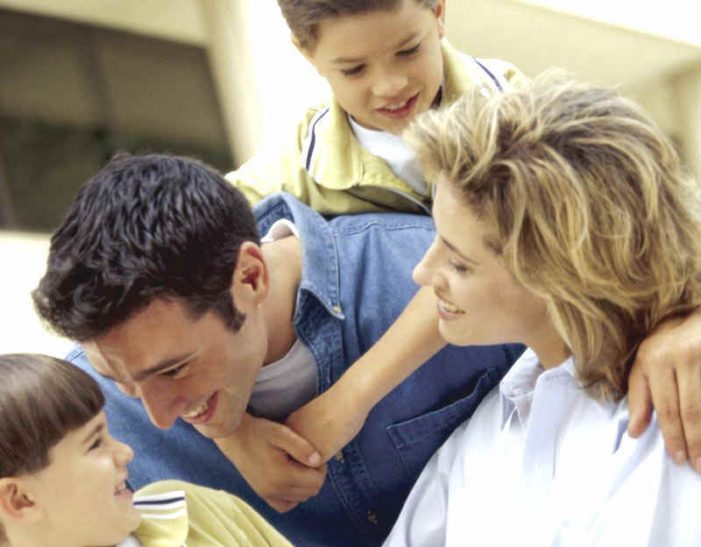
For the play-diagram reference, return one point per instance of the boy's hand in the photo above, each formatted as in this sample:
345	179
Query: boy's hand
280	466
667	374
330	421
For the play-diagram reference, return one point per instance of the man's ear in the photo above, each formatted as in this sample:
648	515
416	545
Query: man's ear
251	280
16	502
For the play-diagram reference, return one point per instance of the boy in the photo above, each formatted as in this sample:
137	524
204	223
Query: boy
63	476
385	61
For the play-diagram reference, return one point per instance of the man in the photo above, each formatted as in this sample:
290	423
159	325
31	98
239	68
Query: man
159	272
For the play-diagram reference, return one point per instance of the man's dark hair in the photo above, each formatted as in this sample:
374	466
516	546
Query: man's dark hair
145	227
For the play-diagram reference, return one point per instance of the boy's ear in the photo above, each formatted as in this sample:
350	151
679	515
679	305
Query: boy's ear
439	12
251	280
15	502
305	51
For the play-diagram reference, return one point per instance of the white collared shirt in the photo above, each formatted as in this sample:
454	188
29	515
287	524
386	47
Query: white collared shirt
541	463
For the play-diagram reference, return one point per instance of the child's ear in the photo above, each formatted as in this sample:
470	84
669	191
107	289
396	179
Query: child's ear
16	502
439	12
304	50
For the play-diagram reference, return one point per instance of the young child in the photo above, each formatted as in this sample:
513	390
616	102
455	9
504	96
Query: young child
63	477
385	61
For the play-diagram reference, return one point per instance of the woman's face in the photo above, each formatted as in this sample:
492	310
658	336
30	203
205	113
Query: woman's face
479	301
82	493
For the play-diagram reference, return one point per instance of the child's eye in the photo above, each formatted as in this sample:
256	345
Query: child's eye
355	71
409	52
97	443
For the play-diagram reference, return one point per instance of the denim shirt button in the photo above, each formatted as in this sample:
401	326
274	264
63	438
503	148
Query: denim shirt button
372	517
337	309
339	457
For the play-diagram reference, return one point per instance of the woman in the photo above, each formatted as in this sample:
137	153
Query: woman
563	222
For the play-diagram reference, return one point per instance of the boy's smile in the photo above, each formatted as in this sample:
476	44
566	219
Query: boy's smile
384	67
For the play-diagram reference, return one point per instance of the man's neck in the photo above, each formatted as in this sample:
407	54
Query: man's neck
284	260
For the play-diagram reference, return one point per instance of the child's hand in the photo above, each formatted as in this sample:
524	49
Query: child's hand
280	466
667	374
330	421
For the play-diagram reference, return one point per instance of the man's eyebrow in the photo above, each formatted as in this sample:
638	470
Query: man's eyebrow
163	365
349	60
454	249
99	428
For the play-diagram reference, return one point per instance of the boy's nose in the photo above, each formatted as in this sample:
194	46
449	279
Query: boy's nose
390	85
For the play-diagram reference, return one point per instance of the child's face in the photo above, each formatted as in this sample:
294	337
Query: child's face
384	67
82	493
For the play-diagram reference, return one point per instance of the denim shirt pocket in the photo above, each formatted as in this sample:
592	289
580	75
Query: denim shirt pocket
417	439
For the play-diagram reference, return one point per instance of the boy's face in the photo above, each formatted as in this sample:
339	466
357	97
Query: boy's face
82	493
384	67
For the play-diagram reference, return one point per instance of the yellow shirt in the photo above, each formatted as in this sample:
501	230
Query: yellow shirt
175	514
327	168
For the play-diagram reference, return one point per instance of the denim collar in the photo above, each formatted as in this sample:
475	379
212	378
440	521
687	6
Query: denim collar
320	265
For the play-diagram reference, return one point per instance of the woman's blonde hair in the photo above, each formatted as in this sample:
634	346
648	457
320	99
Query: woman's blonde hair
584	198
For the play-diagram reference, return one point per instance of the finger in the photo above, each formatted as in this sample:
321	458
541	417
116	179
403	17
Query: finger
296	446
689	382
293	481
665	398
639	401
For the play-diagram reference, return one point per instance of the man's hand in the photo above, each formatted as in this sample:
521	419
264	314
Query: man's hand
280	466
667	374
330	421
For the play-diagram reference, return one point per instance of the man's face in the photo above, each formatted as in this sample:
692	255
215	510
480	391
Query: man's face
384	67
180	367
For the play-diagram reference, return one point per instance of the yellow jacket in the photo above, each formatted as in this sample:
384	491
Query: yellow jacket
327	168
175	514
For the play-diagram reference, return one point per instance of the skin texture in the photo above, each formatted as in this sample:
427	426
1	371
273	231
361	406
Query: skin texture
382	59
80	498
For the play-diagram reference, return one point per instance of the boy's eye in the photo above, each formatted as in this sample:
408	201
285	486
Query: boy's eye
410	51
97	443
353	71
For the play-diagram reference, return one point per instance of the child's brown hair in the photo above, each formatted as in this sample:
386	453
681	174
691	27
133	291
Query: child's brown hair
303	16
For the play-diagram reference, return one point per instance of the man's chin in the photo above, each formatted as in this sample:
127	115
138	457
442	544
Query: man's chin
215	432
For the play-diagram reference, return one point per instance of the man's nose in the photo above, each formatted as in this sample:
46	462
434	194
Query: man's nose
162	404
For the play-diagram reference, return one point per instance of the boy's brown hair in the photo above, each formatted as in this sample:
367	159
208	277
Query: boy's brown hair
41	400
303	16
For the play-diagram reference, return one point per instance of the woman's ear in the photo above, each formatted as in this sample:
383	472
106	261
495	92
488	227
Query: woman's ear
16	503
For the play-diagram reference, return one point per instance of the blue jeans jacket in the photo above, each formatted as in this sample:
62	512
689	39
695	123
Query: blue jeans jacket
356	280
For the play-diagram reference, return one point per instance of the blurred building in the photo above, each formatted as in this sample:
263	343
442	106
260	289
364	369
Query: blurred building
218	79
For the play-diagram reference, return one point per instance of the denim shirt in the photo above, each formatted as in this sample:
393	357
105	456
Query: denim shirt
356	280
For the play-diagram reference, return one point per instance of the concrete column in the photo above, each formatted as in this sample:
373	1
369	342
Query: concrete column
231	58
264	83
